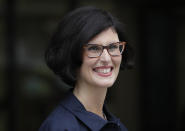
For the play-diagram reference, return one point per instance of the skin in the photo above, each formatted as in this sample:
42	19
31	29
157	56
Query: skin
92	85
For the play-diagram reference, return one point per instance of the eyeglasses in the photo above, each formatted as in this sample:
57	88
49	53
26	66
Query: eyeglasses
95	50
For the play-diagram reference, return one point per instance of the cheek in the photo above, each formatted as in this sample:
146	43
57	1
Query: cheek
117	60
120	59
88	64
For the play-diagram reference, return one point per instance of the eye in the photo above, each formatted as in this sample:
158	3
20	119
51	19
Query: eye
94	48
113	46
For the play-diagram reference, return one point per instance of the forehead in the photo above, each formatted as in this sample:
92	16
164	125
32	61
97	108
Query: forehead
107	36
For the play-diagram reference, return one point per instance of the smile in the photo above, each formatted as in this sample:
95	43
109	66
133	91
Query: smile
103	71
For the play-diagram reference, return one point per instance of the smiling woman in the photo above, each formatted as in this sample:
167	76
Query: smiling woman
86	52
102	70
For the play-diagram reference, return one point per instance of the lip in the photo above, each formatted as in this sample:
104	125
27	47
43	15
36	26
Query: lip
103	74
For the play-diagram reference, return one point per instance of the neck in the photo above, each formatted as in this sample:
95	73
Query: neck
91	97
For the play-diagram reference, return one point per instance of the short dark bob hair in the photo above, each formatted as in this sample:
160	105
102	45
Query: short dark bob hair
64	53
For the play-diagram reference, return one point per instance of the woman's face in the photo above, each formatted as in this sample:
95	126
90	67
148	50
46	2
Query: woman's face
103	70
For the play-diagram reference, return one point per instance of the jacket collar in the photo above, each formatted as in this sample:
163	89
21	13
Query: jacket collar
91	120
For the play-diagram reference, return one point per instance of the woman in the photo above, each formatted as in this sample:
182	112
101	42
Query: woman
86	52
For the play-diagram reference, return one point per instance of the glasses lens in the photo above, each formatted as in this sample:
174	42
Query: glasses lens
94	50
115	49
121	48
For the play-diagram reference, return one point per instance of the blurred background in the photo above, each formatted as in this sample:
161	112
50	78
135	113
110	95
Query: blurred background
149	97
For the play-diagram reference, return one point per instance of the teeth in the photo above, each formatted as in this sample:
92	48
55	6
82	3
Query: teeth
103	70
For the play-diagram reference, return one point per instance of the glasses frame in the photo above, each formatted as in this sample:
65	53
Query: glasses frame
107	48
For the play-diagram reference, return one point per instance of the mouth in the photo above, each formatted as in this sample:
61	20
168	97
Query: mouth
103	71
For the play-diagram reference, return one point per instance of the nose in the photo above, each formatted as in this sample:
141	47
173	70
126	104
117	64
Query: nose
105	57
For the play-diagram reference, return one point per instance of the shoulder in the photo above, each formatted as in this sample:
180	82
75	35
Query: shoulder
60	119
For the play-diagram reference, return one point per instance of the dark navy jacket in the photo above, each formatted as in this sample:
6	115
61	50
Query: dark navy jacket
71	115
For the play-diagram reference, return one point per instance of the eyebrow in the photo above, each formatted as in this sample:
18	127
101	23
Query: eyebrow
103	45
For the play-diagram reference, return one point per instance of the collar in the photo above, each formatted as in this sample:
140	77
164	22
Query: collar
91	120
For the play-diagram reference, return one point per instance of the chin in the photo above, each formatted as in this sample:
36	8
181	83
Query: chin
104	83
